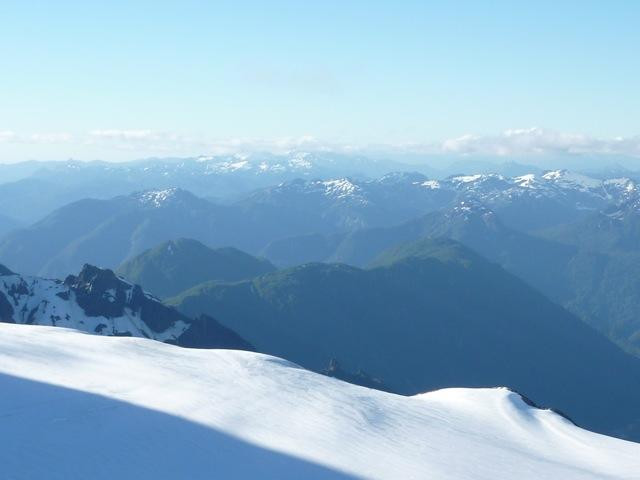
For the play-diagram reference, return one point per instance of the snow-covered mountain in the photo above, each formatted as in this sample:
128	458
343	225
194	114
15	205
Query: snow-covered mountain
295	163
81	406
298	163
561	184
30	191
345	203
526	202
165	198
589	192
97	301
403	194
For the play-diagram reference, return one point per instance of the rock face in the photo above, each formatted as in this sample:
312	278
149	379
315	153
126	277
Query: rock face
97	301
101	293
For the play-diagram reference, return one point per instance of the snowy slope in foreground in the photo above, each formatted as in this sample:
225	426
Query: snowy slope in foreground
135	408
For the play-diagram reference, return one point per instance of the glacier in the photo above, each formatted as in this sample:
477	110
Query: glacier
75	405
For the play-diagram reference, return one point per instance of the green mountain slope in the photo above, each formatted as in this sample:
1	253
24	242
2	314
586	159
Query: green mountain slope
177	265
589	267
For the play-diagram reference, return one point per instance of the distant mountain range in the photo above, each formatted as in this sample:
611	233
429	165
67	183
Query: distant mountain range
109	232
572	236
98	302
534	201
429	315
527	202
30	190
590	266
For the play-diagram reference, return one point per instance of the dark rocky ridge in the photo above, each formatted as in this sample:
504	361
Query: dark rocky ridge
106	299
101	293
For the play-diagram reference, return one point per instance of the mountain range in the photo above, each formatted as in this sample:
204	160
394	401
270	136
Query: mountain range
404	283
569	235
30	190
108	232
589	266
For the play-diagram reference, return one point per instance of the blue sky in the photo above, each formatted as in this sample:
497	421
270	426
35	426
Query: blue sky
118	80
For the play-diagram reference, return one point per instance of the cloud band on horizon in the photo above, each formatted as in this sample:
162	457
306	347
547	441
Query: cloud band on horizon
532	141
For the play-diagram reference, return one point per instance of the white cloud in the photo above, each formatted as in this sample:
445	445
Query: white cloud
125	135
143	139
50	138
6	135
9	136
277	145
514	142
538	141
178	143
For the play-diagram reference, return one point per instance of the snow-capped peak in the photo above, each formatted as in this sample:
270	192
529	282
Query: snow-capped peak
431	184
526	181
572	179
470	205
157	198
340	188
163	198
472	181
301	160
258	163
468	178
